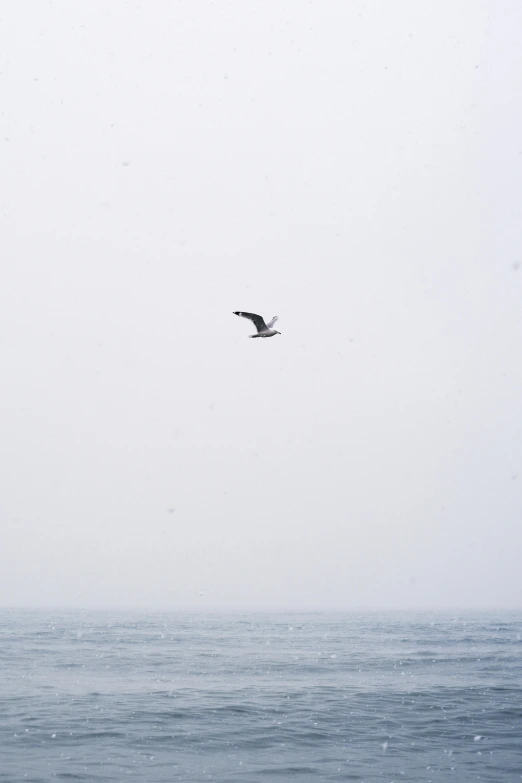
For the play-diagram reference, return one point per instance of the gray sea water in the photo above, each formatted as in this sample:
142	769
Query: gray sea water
156	697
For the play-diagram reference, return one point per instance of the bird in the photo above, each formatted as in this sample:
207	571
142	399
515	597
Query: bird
263	330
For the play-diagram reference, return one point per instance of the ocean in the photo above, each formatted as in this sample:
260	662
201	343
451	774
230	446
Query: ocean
162	697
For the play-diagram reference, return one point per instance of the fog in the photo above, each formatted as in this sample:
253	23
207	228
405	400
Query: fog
356	169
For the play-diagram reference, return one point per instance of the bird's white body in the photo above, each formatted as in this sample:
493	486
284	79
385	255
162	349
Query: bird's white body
263	329
265	333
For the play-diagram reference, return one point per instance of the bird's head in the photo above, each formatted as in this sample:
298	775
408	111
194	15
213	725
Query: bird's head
277	332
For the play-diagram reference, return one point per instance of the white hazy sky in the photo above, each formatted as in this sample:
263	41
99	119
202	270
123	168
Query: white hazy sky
356	168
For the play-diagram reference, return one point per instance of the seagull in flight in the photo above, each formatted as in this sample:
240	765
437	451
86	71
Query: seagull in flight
263	330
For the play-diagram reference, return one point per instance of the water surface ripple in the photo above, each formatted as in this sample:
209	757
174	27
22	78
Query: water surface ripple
119	696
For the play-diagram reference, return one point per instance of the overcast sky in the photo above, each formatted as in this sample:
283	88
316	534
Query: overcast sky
354	167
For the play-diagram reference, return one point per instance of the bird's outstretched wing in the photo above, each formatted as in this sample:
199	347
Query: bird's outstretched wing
258	321
272	322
